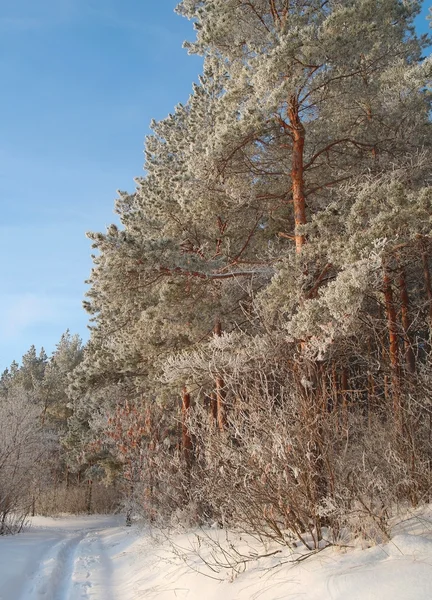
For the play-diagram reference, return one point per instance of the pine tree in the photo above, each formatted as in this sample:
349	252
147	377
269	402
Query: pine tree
315	94
32	368
53	391
288	203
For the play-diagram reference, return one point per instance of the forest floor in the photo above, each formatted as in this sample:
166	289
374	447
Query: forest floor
98	558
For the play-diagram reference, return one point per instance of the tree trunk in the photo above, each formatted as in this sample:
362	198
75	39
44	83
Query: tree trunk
393	348
297	171
220	388
186	438
89	496
403	293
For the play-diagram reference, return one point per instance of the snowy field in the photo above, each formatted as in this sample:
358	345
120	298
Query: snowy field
97	557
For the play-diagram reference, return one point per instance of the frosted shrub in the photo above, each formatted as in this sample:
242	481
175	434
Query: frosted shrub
23	449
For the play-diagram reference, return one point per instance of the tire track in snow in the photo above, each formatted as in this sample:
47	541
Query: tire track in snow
50	580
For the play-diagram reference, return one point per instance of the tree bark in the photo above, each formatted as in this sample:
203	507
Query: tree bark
297	171
393	347
89	496
404	299
220	388
186	437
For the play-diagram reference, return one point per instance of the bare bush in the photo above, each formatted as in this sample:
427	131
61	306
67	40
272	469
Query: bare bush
23	448
306	445
95	498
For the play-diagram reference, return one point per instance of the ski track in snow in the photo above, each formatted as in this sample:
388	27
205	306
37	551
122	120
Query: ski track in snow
74	568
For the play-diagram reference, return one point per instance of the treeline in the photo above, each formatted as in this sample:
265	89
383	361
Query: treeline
261	322
40	466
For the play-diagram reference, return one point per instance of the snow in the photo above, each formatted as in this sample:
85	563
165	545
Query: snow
99	558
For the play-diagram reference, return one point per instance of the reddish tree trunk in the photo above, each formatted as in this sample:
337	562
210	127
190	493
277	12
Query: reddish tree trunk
404	298
186	438
220	388
297	171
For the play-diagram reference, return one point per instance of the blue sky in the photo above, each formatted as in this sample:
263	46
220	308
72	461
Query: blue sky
80	82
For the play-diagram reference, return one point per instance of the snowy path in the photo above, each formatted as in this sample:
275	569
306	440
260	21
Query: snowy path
63	559
72	568
98	558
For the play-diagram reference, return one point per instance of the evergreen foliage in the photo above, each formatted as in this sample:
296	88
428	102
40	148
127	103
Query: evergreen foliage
261	321
34	412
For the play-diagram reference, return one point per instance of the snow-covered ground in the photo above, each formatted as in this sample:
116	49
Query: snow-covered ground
97	557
